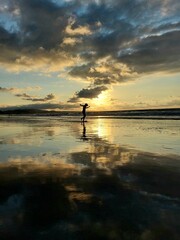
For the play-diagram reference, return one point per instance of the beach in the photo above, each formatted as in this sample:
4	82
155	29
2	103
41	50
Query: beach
107	178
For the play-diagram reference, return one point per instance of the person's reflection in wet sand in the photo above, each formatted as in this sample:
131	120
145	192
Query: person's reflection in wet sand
84	137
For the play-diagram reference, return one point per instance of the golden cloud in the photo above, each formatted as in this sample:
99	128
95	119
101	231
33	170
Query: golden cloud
71	41
80	30
41	60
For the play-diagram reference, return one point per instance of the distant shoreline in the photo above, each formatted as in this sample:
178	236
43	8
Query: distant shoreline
158	114
142	111
64	117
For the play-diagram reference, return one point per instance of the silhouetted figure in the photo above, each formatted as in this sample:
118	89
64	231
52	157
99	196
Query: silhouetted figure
84	111
84	137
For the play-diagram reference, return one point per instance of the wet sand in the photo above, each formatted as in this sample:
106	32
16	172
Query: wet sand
105	179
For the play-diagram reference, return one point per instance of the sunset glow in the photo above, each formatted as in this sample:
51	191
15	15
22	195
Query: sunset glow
115	55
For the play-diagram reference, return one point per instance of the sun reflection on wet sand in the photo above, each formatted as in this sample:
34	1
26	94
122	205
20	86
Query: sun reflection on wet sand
81	181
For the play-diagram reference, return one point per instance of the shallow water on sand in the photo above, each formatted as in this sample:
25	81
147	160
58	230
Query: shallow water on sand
104	179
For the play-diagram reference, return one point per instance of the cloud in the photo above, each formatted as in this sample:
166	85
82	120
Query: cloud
154	103
74	30
3	89
74	99
18	92
103	42
36	44
89	93
28	97
106	28
71	41
42	106
23	95
155	53
42	60
104	71
15	90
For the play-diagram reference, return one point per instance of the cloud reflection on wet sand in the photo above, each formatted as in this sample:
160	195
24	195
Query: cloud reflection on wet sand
104	191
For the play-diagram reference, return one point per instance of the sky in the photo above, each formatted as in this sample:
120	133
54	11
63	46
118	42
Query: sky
111	54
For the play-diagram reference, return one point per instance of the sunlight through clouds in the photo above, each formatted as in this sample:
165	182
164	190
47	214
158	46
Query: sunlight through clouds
94	46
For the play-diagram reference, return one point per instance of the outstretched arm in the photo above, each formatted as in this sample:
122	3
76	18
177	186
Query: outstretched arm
88	107
81	105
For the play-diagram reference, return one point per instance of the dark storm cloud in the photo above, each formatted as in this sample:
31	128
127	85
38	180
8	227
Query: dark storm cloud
167	27
40	26
42	23
142	35
111	28
155	53
6	37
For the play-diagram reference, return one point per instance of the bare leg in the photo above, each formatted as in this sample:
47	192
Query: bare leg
83	118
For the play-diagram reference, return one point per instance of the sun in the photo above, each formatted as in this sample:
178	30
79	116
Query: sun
102	100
